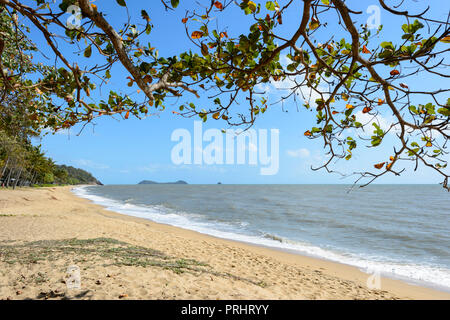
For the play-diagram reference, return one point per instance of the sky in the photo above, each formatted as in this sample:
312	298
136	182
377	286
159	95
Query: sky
118	151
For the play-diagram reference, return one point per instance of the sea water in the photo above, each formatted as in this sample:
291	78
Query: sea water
400	231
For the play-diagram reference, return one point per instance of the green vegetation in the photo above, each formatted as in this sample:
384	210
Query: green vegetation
111	251
89	253
70	175
22	163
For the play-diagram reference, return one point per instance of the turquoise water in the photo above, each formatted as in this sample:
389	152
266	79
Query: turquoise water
402	231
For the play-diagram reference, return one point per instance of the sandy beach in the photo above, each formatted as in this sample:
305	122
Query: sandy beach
44	231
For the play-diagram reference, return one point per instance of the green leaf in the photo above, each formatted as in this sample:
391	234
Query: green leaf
174	3
88	52
413	109
444	111
387	45
121	3
270	6
252	6
430	108
291	67
376	141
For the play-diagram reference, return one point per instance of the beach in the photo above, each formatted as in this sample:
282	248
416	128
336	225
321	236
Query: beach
44	231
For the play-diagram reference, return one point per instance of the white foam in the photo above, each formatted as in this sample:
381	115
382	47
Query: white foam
437	277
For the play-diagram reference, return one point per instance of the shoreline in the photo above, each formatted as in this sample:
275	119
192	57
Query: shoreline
392	276
241	270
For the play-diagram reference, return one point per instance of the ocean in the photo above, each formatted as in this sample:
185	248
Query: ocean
400	231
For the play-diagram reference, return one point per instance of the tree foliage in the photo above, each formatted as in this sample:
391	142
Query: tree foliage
355	74
22	163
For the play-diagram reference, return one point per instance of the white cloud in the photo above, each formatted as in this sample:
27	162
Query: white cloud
300	153
90	164
157	167
385	123
285	86
62	132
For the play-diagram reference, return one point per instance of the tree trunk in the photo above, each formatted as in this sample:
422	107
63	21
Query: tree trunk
33	178
8	179
4	167
17	178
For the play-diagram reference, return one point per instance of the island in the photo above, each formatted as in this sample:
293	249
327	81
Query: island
154	182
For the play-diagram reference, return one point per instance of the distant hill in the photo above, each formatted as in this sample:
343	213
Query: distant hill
154	182
71	175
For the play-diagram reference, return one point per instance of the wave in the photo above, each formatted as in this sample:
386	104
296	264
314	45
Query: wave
420	274
273	237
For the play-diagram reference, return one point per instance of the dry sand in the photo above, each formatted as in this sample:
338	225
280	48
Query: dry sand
44	231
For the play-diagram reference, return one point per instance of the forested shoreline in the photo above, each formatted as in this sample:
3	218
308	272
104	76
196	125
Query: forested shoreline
23	164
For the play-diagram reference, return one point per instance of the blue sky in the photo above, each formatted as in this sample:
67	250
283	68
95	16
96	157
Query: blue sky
120	151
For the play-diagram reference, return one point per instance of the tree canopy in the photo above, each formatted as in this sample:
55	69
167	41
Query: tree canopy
357	73
21	162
